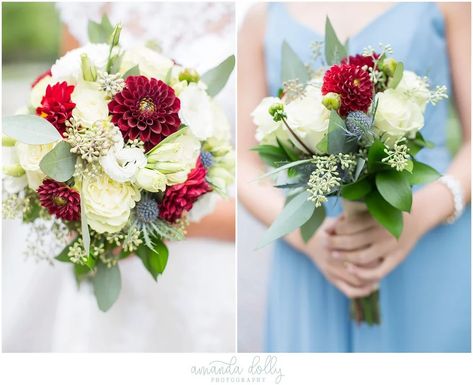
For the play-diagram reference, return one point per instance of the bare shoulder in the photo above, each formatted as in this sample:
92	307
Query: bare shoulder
454	12
255	20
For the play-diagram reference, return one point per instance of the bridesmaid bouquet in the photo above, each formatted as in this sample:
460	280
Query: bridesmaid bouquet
120	148
350	130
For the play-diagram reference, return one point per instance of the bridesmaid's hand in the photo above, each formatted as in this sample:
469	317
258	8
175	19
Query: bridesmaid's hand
335	270
367	248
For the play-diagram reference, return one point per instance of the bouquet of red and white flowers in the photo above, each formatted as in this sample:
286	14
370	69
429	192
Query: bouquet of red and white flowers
120	148
349	129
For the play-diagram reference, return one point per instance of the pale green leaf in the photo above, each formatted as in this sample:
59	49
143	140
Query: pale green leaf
397	76
133	71
335	51
30	129
217	77
309	228
59	163
292	66
107	285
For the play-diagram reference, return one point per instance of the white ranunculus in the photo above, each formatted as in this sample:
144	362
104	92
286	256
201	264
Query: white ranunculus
196	111
175	156
204	206
415	88
29	156
266	128
122	163
68	68
397	114
107	203
308	118
152	64
39	90
91	105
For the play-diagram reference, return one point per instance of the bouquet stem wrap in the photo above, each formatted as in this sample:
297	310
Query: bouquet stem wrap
365	309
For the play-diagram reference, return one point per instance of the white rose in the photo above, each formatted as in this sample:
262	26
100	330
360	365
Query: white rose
266	128
308	118
68	68
397	114
39	90
204	206
415	88
196	111
29	156
91	105
107	203
152	64
175	156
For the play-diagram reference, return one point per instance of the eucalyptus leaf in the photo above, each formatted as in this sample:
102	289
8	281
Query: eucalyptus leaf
395	189
335	51
397	76
133	71
386	215
100	32
292	66
30	129
217	77
59	163
295	213
309	228
107	285
282	168
360	165
337	141
84	226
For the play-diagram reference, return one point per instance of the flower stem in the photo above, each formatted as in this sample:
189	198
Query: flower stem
297	138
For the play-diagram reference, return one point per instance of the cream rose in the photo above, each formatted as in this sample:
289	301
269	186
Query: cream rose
152	64
266	128
107	203
415	88
29	157
91	105
308	118
397	114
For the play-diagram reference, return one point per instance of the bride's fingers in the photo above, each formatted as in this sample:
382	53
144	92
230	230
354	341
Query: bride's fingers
351	242
353	291
355	224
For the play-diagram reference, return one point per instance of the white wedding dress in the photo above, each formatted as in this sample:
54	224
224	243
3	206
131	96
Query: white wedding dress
192	306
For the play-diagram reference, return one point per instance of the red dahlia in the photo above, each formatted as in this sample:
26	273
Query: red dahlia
145	109
60	200
360	60
41	77
182	196
352	84
56	105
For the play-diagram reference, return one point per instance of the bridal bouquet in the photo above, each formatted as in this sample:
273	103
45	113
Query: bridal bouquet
116	151
350	130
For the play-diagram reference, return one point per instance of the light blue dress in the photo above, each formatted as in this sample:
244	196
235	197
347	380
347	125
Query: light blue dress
425	301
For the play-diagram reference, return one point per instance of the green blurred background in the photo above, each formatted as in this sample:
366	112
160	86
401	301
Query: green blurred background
31	38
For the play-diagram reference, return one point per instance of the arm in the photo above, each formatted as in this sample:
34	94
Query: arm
433	204
251	89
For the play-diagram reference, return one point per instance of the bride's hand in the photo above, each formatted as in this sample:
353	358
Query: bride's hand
368	249
334	270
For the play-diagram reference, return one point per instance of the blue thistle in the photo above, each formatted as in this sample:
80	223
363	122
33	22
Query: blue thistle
147	210
207	159
359	126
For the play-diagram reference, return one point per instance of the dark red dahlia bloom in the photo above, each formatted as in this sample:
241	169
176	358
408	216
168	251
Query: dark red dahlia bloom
360	60
56	105
352	84
60	200
181	197
41	77
145	109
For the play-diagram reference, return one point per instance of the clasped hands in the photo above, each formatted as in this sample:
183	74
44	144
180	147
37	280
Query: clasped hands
355	253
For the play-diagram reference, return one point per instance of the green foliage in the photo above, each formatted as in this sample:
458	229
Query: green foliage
357	190
285	167
271	155
217	77
63	255
292	66
335	51
133	71
295	213
84	226
336	138
107	285
31	31
59	163
394	187
422	174
397	76
387	216
30	129
100	32
309	228
155	259
375	156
